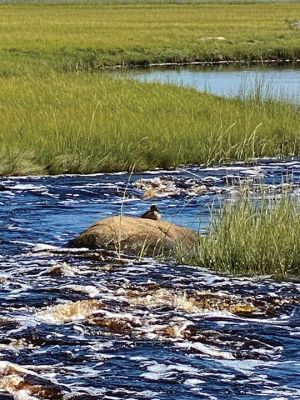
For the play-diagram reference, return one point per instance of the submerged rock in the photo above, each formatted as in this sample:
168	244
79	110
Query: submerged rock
174	187
68	312
136	235
63	270
25	384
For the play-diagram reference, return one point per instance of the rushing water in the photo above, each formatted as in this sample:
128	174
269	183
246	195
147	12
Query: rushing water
271	81
90	325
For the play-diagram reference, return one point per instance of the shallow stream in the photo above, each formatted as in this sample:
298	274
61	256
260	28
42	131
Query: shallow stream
92	325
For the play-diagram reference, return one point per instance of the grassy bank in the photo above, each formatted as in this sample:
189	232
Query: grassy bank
84	123
253	239
57	118
89	36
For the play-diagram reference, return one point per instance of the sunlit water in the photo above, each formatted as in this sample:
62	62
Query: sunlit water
92	326
281	82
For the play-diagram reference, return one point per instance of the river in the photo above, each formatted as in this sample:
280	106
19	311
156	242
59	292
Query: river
91	325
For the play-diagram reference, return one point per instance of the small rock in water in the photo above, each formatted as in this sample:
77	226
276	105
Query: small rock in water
71	311
63	269
21	382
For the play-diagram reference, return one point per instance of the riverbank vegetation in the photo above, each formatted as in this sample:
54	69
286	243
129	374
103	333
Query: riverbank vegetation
60	114
88	36
86	123
252	237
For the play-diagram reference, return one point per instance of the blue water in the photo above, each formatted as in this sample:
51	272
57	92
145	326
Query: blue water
278	82
213	352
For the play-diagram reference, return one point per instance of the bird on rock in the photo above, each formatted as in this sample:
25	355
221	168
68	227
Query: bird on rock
153	213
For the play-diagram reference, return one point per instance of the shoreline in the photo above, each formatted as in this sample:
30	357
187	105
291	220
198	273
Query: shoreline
203	63
250	163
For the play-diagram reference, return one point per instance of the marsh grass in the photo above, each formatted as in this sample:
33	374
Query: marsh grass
86	123
93	35
253	237
57	118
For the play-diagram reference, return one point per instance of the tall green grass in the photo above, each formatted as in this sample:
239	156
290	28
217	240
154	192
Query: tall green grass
92	35
85	123
253	238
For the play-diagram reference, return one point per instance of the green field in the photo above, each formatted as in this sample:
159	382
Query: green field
90	36
62	113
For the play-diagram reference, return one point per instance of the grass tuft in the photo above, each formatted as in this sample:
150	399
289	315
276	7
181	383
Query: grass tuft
252	237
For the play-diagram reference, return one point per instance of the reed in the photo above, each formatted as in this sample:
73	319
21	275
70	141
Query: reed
252	237
86	123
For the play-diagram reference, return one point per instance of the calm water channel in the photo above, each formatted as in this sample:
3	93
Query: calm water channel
89	326
275	81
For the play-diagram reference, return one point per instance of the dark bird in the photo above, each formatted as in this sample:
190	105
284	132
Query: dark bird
153	213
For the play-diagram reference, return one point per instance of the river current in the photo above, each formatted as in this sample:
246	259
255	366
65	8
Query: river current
79	324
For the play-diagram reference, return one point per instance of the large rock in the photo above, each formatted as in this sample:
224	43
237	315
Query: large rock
136	236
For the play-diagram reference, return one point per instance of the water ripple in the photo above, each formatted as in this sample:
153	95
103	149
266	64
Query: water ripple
90	325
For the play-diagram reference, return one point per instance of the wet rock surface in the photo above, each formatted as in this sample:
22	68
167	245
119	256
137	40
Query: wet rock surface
97	324
21	382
